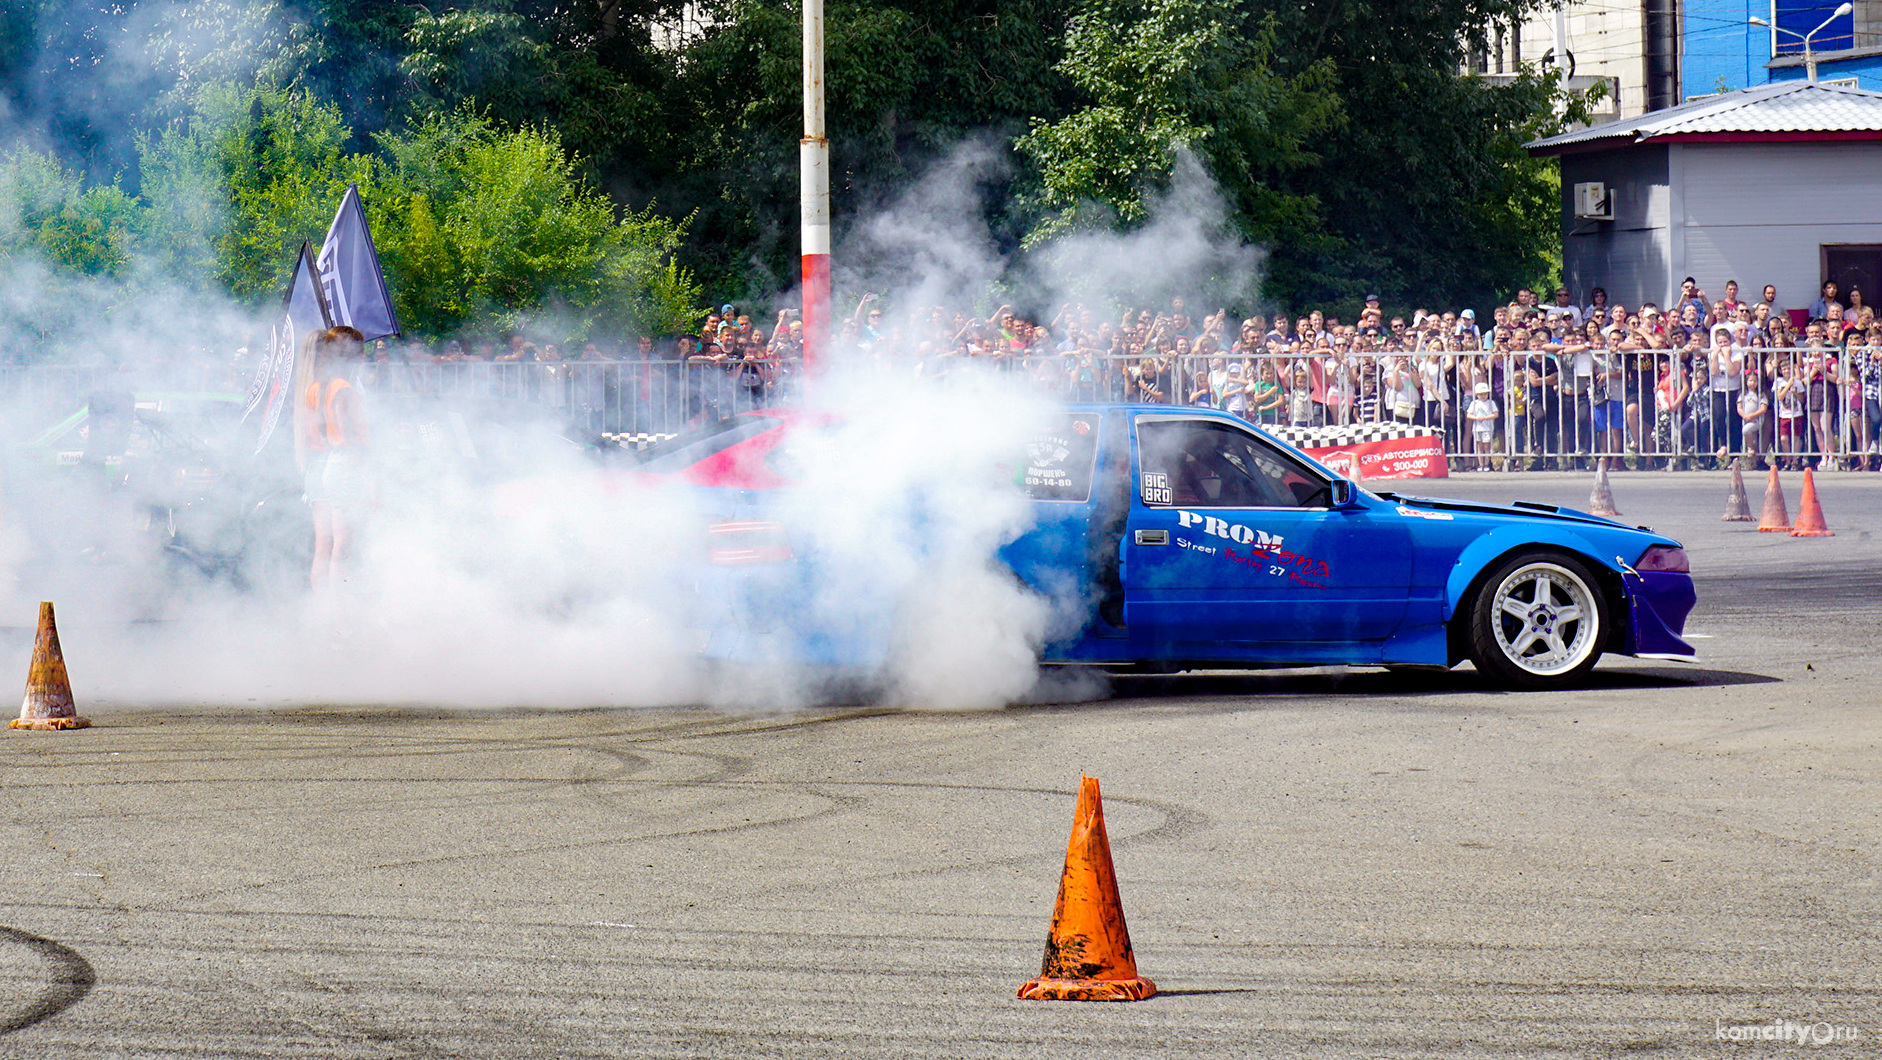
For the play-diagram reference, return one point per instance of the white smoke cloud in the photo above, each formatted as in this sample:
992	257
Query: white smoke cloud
1186	247
584	595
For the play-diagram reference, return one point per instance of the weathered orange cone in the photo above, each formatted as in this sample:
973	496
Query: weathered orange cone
1088	949
1601	501
1809	513
1737	505
48	703
1776	518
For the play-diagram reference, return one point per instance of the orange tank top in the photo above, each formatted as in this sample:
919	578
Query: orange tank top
324	429
313	428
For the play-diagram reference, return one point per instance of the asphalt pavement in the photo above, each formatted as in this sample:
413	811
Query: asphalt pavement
1323	863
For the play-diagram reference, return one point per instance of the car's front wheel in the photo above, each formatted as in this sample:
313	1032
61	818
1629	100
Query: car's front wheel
1538	621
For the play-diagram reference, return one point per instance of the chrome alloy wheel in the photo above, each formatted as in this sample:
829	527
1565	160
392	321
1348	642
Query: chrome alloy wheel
1545	620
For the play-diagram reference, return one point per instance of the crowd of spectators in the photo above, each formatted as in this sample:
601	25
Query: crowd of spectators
1536	385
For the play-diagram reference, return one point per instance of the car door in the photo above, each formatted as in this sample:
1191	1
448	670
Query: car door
1232	546
1075	468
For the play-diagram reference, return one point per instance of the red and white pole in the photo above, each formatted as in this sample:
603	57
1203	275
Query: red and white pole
814	175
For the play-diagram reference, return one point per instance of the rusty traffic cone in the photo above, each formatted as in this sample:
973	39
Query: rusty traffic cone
1088	949
1737	505
1809	513
48	703
1776	518
1601	501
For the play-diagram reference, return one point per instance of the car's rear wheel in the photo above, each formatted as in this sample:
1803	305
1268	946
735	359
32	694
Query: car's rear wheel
1538	621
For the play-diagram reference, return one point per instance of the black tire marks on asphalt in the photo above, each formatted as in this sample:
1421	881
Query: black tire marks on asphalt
70	977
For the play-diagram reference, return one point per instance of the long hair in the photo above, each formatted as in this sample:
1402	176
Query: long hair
305	373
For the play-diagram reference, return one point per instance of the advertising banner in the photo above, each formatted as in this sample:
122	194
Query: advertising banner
1417	457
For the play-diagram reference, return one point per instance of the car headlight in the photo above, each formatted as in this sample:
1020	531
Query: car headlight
1668	558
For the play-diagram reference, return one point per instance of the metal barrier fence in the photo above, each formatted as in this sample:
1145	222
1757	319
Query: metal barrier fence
602	397
1650	408
1689	408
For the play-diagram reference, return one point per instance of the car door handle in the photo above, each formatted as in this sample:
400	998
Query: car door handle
1153	537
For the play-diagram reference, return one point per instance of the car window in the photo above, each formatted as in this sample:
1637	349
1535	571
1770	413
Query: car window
1211	464
1059	458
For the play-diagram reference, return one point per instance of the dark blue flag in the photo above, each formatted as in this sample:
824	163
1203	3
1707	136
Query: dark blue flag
304	311
350	275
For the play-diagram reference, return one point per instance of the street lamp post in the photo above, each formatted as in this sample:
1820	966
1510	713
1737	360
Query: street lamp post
1810	60
813	155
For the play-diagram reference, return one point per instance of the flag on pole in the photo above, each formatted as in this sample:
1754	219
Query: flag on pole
304	311
350	276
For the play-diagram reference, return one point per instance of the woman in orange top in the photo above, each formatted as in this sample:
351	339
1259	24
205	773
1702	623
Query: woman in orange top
334	435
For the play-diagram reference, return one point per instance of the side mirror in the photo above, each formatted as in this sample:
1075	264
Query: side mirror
1342	492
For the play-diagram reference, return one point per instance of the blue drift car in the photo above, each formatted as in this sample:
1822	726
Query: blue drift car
1189	539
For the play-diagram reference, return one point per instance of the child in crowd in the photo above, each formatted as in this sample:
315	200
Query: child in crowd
1788	390
1482	415
1201	395
1235	393
1753	405
1265	397
1301	406
1366	408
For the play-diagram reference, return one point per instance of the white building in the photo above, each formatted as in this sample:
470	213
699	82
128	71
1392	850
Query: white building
1770	184
1630	47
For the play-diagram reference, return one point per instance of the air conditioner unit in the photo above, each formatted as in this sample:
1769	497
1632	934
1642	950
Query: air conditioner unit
1593	202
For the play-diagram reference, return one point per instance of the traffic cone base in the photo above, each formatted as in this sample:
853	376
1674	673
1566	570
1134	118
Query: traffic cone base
1088	948
1776	517
1601	501
1737	505
1809	513
48	704
50	724
1133	989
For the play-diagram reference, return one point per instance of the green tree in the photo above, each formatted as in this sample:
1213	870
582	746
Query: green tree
1162	76
235	188
482	227
1341	134
1426	193
522	71
46	213
907	81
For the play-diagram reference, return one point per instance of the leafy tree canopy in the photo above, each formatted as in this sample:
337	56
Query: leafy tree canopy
1339	132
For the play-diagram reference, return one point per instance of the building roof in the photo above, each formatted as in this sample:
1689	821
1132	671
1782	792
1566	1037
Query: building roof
1786	110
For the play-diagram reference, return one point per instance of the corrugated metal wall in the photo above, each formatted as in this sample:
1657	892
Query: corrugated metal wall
1629	256
1757	213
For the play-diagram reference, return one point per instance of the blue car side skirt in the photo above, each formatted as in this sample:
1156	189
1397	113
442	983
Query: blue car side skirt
1426	645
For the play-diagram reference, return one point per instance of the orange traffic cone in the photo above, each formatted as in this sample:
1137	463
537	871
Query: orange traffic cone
1737	505
1088	949
1809	513
48	703
1601	501
1776	518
